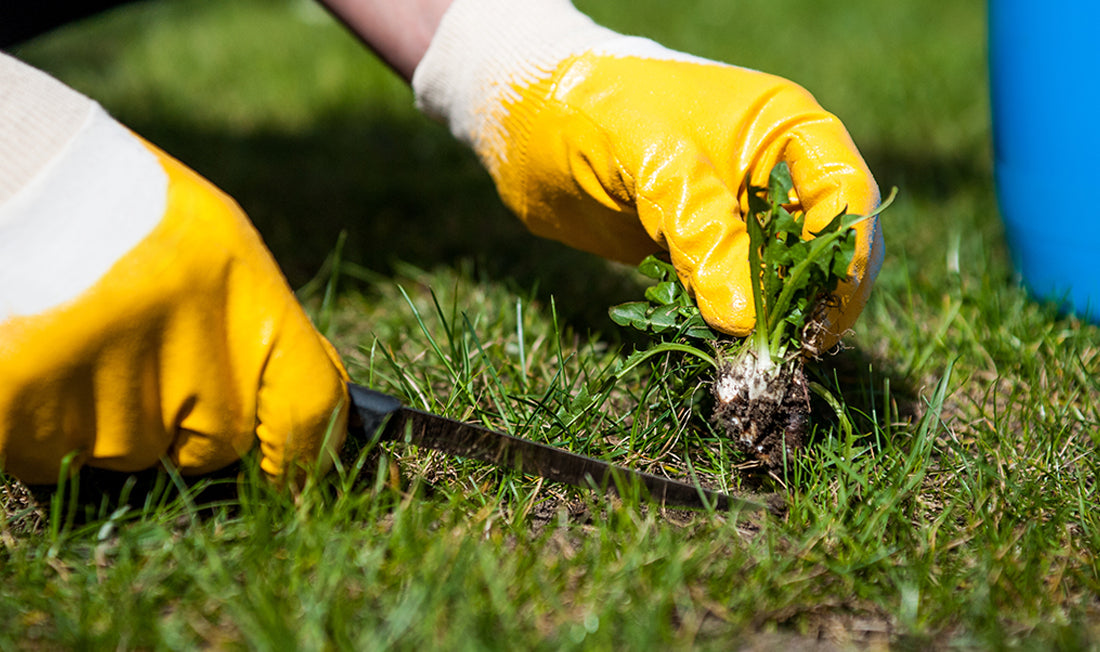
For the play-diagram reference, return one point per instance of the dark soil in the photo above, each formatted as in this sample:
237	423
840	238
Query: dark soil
768	421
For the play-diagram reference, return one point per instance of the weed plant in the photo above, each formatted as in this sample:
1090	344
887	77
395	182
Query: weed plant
945	497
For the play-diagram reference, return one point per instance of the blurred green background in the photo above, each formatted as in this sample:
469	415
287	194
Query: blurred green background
277	104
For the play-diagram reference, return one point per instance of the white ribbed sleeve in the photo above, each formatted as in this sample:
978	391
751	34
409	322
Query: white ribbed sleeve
77	191
484	47
38	117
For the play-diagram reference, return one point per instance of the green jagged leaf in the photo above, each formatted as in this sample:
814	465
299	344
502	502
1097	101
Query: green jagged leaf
631	314
656	269
842	262
788	225
663	318
780	183
758	204
664	293
695	327
833	225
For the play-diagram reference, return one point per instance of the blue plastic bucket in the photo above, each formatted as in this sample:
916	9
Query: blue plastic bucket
1044	61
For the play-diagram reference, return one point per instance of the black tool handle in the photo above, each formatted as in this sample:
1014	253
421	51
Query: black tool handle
370	409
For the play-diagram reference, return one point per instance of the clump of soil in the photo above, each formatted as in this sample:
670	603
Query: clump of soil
761	406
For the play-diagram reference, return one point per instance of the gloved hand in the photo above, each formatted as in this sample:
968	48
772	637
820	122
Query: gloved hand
617	146
141	316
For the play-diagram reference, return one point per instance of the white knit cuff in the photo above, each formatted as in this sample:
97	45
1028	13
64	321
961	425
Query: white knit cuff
484	47
39	116
77	191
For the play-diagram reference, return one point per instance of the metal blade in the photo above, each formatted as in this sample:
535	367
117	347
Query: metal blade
476	442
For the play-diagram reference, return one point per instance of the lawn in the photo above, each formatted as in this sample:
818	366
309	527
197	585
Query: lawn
946	500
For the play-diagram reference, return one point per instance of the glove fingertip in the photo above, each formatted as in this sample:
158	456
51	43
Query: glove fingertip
303	405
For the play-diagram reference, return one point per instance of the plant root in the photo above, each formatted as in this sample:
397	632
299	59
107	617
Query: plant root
762	407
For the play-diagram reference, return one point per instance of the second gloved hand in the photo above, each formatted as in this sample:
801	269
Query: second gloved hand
141	317
619	146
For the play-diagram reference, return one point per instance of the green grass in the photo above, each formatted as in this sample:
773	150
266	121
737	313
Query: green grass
946	500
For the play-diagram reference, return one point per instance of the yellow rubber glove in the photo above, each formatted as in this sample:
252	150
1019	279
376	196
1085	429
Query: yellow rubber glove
141	316
618	146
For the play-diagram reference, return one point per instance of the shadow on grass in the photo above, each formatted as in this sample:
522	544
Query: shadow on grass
876	394
404	191
931	176
96	495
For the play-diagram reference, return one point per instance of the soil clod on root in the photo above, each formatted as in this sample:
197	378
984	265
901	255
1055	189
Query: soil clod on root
762	407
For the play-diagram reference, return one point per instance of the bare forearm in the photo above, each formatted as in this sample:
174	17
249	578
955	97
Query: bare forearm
397	30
